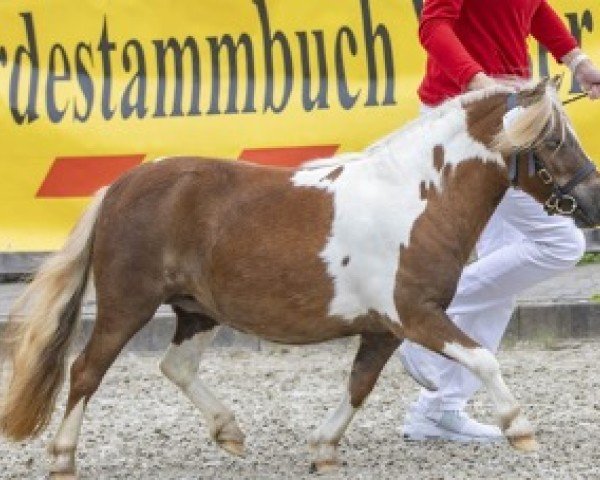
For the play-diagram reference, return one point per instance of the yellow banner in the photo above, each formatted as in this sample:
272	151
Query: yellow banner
91	88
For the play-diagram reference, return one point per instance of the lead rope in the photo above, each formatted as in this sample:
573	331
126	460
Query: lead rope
575	98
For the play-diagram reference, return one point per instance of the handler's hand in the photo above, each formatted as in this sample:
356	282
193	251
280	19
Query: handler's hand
479	81
588	77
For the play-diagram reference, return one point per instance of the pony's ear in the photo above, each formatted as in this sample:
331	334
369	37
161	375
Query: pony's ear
534	95
557	81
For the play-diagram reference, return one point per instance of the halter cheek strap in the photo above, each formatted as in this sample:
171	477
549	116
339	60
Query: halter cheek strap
513	167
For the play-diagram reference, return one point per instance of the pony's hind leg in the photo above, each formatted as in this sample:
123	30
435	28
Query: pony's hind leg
180	364
112	331
431	327
373	354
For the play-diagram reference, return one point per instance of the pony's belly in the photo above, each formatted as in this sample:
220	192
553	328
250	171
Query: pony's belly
286	300
296	328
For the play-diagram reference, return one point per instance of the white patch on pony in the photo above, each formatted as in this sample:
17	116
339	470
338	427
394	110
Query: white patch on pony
479	359
331	162
69	430
376	201
483	363
519	427
180	364
332	429
65	442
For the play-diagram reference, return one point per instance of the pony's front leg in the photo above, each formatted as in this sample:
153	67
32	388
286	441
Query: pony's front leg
372	355
428	325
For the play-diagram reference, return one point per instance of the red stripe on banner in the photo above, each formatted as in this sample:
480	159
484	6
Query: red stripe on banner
287	156
82	176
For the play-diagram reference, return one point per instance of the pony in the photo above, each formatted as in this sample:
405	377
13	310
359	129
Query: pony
369	244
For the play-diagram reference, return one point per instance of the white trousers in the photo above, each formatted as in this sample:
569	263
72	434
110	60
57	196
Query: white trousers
520	246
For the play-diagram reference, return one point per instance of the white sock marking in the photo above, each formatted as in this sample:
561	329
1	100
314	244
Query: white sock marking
65	441
181	364
334	426
483	363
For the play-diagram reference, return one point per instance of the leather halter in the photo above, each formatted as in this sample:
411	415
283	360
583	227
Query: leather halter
560	201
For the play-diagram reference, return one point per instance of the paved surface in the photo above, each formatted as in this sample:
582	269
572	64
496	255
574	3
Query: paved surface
577	286
566	306
139	426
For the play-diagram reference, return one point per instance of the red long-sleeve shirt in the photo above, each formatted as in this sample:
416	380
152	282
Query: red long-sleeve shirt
464	37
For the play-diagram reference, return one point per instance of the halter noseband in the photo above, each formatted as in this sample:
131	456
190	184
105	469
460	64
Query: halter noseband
560	201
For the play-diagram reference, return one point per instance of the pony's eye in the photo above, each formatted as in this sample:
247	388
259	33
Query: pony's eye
552	144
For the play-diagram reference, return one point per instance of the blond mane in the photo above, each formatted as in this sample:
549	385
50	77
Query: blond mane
533	123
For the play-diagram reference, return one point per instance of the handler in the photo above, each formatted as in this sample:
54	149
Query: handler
469	42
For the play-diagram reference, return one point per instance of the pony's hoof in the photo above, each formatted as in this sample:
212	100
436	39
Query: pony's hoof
325	457
233	447
526	444
324	466
231	439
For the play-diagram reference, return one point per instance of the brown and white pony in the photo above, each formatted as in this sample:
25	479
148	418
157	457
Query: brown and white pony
370	244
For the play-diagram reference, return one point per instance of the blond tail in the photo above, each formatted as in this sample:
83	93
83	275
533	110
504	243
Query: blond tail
42	323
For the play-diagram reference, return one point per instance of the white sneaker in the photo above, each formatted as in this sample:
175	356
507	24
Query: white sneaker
453	425
420	372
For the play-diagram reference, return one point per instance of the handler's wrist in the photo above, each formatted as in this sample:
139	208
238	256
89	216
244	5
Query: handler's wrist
577	61
480	80
583	71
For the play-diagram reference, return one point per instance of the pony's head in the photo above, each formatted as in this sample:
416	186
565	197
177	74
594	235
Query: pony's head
543	155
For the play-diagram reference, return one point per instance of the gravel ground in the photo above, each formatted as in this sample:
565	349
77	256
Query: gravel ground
139	426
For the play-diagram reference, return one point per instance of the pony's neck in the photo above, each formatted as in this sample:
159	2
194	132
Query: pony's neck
459	210
437	139
447	116
458	177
